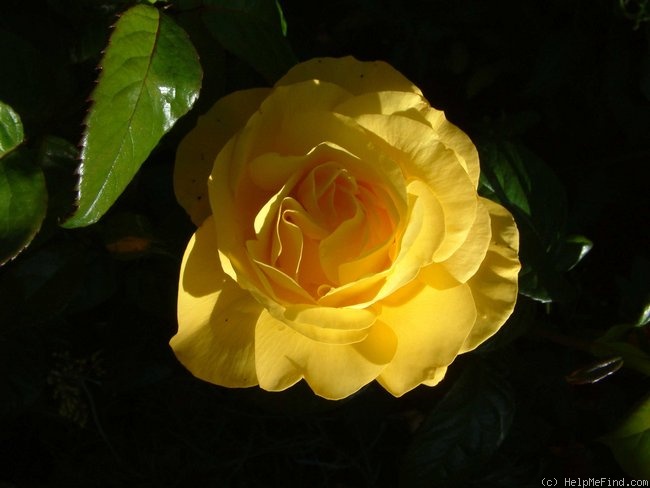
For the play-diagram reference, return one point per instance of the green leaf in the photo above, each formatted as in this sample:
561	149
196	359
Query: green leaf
283	20
150	78
58	158
11	129
513	175
523	182
462	431
644	316
630	443
571	252
253	31
23	202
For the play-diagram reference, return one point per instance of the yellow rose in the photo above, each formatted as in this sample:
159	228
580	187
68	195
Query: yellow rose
344	240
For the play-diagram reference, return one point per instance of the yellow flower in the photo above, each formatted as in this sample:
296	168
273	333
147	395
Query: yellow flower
344	240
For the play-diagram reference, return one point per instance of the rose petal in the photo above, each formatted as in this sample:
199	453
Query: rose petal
422	156
416	107
431	326
386	103
325	324
269	130
422	237
216	318
464	263
361	293
437	377
283	357
198	149
494	286
234	230
355	76
455	139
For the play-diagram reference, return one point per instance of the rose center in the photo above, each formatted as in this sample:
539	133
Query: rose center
332	229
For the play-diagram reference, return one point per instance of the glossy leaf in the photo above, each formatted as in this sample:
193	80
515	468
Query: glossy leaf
150	78
572	251
11	129
520	180
630	443
525	183
644	316
253	30
23	202
462	431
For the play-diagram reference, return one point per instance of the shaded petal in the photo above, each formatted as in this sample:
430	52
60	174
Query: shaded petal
199	148
494	286
270	129
216	318
355	76
431	326
283	357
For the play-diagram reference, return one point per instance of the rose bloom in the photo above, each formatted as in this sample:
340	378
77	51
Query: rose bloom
340	236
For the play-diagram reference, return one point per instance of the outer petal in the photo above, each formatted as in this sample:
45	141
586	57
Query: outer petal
355	76
431	326
216	318
283	357
199	148
457	140
464	263
438	376
416	107
385	102
494	286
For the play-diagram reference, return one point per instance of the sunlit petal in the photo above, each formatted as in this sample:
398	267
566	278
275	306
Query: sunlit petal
431	326
494	286
216	318
355	76
284	357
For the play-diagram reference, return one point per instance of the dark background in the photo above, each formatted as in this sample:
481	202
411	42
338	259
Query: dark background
90	393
